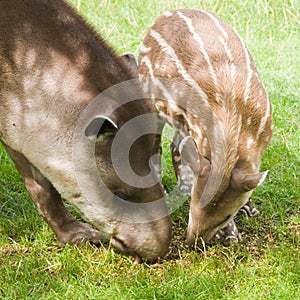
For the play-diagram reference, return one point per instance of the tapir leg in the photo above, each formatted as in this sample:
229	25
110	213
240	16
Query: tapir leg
183	172
49	204
157	148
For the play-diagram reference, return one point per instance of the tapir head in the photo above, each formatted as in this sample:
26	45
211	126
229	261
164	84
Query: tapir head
206	221
130	201
207	217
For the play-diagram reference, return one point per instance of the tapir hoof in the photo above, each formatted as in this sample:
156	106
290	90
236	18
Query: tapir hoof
228	235
249	210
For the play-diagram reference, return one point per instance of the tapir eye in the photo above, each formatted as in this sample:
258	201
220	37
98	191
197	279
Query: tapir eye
225	220
121	195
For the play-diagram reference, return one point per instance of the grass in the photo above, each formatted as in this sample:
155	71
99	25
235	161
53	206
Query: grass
265	266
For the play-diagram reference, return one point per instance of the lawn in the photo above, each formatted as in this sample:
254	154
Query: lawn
266	265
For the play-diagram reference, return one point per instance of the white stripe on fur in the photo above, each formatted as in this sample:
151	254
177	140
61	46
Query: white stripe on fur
217	23
170	51
198	39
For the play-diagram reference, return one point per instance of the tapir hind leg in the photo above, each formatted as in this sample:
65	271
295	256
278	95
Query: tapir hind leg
183	171
49	204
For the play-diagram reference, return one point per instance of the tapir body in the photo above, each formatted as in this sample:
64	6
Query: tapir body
205	84
52	65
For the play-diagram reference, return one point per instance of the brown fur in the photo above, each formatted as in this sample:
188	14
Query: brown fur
52	65
220	73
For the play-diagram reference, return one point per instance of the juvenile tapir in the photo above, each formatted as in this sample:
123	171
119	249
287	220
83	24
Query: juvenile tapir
52	66
209	90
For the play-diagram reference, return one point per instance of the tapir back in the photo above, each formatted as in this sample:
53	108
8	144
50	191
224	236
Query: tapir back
200	50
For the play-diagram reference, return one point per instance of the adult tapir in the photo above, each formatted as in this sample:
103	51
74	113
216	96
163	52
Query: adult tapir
53	65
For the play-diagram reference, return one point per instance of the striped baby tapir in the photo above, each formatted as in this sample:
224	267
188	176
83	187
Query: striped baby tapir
205	84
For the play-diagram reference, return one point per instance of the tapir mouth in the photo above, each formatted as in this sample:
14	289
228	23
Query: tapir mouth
120	245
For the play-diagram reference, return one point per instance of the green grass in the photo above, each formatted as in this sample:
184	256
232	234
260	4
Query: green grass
265	266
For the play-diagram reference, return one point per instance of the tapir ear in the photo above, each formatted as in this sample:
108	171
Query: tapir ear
100	128
243	182
131	60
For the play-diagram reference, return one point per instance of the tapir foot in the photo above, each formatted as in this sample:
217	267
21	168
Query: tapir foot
249	210
77	232
228	235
